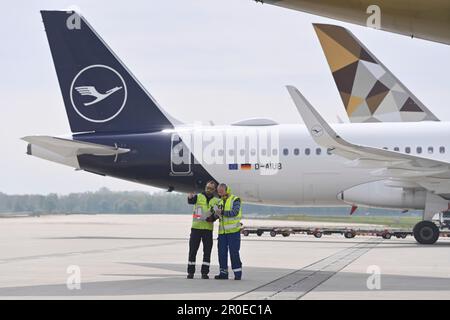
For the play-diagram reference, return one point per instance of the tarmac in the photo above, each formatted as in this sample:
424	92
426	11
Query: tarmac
145	257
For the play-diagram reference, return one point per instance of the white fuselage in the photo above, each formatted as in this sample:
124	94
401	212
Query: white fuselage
294	177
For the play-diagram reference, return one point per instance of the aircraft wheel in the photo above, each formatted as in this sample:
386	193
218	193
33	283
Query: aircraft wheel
273	233
318	234
245	233
349	235
259	233
426	232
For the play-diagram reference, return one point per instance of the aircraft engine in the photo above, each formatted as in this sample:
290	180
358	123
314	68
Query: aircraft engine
385	194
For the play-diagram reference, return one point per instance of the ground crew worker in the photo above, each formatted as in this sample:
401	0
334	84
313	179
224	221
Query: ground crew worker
202	228
230	215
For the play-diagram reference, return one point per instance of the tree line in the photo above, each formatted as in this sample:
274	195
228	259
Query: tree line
136	202
101	201
107	201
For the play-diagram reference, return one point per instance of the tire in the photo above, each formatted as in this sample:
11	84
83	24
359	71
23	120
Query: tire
318	234
273	233
286	234
403	236
245	233
259	233
387	236
349	235
426	232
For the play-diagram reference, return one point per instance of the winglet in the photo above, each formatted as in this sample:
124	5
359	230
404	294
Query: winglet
319	129
325	136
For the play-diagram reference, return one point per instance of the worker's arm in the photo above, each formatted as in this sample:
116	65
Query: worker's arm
192	199
235	210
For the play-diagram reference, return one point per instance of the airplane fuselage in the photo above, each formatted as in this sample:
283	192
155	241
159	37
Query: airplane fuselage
275	164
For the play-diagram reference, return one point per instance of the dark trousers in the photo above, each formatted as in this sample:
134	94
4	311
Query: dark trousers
197	236
230	242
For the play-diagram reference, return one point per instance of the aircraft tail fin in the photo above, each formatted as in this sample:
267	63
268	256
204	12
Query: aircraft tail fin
369	91
99	92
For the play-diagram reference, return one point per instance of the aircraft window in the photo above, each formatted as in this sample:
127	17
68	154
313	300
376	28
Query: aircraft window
220	153
419	150
242	152
408	150
263	152
274	152
318	151
285	151
396	149
329	151
253	152
442	150
430	150
307	151
296	151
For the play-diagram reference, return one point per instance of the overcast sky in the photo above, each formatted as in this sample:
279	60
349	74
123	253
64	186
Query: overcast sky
201	59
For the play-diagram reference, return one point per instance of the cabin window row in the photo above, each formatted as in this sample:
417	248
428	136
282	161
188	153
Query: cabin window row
419	150
318	151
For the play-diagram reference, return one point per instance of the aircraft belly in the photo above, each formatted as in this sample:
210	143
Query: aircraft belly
423	19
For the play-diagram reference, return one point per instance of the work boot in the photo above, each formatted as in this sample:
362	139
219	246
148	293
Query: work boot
190	276
221	276
205	276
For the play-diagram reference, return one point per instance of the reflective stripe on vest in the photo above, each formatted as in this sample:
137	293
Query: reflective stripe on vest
202	209
230	224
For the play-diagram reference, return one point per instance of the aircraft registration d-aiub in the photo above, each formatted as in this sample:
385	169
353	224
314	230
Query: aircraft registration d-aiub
394	154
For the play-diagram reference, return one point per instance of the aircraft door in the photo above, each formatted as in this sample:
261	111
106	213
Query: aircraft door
180	157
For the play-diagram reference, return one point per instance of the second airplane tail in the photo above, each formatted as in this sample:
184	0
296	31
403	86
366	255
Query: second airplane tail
369	91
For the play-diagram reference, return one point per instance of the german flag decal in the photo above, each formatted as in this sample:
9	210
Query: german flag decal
246	166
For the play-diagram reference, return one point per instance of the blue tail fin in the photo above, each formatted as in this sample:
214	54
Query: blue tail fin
99	92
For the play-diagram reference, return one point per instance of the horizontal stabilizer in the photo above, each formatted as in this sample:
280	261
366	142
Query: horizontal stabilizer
65	151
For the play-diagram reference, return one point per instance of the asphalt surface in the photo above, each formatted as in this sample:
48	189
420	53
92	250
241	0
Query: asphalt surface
145	257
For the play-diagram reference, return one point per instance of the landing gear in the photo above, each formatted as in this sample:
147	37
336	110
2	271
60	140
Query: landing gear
426	232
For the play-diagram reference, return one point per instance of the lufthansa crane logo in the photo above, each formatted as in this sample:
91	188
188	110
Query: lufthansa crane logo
317	131
98	93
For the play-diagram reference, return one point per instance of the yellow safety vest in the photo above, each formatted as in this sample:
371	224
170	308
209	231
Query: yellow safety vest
230	224
202	210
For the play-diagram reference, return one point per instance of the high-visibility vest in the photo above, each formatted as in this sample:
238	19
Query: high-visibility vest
230	224
202	210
